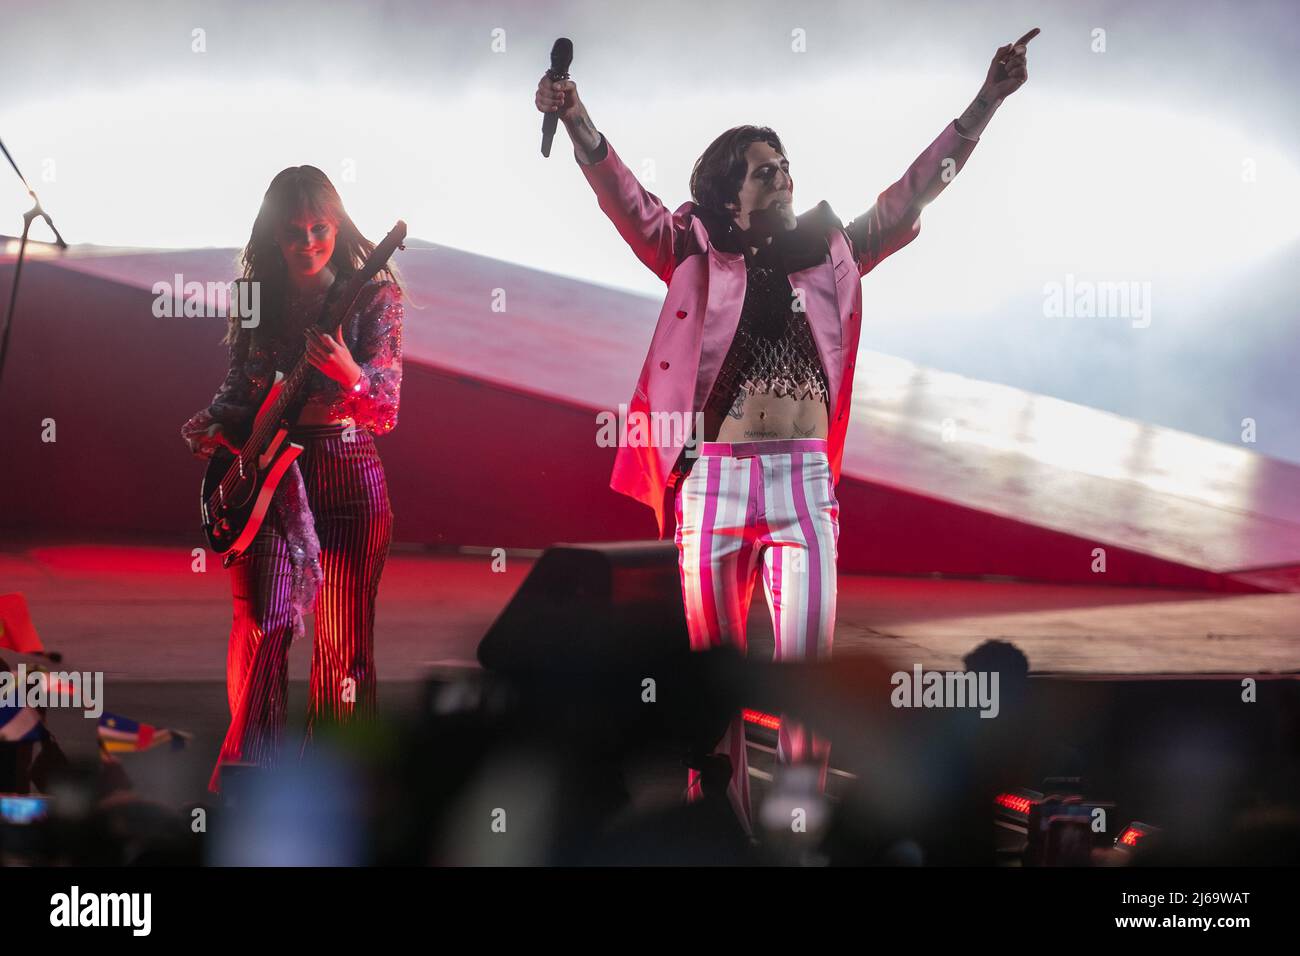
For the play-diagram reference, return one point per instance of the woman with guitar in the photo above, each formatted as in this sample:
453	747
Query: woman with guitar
325	520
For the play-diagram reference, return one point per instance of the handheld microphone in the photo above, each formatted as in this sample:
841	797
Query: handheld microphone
561	58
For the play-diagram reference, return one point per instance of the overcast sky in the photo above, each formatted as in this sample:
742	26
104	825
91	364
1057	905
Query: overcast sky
1169	157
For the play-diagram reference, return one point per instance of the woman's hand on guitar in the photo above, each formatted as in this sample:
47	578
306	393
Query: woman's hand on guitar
330	354
212	440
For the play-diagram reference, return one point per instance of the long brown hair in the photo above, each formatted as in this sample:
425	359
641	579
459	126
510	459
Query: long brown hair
262	261
720	171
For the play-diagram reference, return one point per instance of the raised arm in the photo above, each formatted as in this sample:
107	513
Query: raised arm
638	215
894	220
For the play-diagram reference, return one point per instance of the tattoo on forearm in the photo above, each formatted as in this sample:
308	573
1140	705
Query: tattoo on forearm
978	113
974	113
586	130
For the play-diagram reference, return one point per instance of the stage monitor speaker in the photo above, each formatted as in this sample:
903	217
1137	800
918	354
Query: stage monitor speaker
591	607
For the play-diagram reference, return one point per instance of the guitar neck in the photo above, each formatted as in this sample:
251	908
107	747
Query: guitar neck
332	314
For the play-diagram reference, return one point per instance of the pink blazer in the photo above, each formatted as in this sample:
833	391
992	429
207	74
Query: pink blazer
705	273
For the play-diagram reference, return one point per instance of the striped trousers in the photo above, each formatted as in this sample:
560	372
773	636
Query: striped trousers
348	494
746	505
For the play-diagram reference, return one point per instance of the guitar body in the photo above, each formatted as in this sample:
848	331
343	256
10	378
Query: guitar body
235	500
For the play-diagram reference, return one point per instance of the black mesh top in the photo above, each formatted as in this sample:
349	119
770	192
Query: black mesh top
773	351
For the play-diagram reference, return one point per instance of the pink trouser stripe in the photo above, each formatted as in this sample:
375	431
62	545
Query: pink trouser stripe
771	503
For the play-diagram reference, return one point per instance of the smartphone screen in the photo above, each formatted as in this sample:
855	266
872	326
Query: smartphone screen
18	809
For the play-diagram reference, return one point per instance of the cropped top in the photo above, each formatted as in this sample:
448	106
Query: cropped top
773	351
373	334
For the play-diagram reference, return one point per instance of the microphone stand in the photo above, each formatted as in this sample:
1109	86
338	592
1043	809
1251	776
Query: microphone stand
28	218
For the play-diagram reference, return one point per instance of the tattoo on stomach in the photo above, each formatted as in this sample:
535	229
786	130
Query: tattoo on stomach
737	409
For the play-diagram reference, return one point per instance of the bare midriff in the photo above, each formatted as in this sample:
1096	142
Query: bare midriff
314	413
768	417
771	384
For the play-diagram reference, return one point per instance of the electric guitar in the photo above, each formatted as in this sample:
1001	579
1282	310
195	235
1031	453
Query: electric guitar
237	489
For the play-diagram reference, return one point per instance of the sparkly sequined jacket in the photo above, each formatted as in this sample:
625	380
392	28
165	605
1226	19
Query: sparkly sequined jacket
373	334
700	259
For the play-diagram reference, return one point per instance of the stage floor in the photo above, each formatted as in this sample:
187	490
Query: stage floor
157	629
138	612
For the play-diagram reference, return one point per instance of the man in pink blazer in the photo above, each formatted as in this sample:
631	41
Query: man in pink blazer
739	414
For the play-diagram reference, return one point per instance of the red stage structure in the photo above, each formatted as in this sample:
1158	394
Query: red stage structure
506	369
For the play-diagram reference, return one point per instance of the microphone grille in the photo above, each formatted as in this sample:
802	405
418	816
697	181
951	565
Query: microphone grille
561	55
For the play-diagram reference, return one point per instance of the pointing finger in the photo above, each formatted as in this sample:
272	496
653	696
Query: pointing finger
1027	37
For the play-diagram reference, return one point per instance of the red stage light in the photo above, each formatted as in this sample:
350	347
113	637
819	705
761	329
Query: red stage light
1014	803
766	721
1136	836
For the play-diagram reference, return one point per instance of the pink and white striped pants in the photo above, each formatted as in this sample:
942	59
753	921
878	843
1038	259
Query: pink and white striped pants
742	504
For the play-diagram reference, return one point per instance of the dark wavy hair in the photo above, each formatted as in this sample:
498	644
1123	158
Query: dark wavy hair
261	260
720	170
